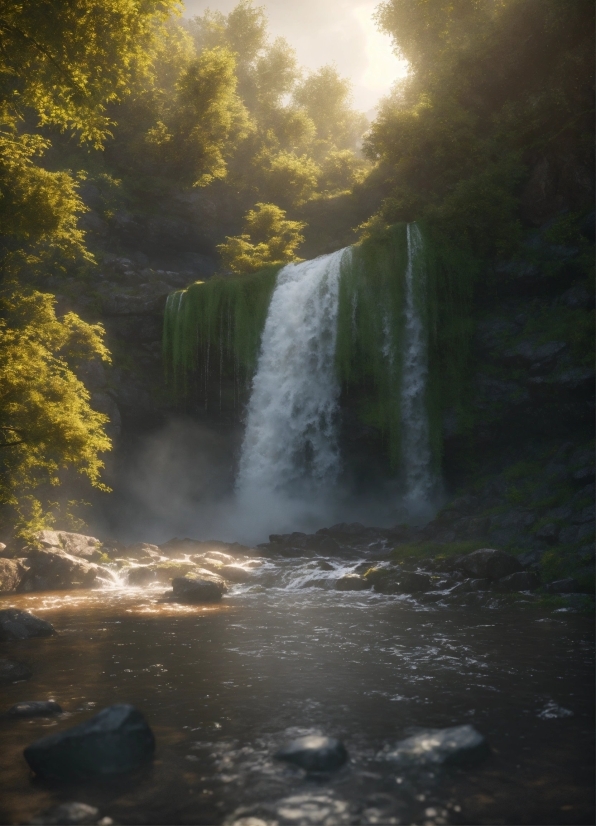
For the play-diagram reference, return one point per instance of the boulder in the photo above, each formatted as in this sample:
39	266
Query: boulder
70	814
351	582
21	625
395	581
52	569
519	581
488	563
161	572
12	672
563	586
34	708
314	753
458	745
116	740
236	573
11	573
196	589
75	544
469	585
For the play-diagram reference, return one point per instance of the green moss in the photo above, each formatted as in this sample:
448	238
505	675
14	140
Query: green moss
213	331
436	550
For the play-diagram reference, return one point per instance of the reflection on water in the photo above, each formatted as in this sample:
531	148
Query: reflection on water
224	686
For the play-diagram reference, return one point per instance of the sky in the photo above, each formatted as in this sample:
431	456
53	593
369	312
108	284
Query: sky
330	31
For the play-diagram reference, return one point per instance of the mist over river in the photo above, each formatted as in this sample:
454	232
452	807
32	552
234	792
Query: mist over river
224	686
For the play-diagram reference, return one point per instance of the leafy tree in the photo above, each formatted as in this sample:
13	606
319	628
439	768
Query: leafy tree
61	66
268	238
493	88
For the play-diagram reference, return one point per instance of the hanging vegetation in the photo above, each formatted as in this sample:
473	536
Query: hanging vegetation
212	333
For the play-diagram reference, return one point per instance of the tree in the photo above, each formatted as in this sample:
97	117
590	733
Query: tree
61	66
268	238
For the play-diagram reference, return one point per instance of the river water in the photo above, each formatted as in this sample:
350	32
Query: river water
224	686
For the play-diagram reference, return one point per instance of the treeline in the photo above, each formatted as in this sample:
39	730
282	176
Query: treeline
491	131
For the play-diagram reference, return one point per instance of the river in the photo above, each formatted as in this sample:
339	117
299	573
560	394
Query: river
225	686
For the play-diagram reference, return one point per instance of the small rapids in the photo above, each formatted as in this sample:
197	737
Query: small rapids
286	653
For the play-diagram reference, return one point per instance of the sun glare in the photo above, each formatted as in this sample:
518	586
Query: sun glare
383	67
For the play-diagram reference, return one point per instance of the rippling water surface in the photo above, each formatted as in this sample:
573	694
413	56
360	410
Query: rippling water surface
224	686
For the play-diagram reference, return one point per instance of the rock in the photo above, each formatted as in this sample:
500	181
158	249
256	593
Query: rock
21	625
469	585
549	533
236	573
351	582
70	814
395	581
459	745
141	550
192	590
12	672
159	572
314	753
411	582
519	581
587	514
51	569
116	740
34	708
11	573
563	586
488	563
75	544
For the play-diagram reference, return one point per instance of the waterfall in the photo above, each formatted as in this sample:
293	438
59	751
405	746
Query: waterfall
416	451
290	434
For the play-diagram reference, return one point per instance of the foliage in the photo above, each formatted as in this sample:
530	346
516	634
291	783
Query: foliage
47	425
61	66
212	332
492	89
370	330
268	239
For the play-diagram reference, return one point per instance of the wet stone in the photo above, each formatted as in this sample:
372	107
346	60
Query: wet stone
351	582
12	671
314	753
563	586
520	581
489	563
70	814
190	590
34	708
21	625
458	745
115	741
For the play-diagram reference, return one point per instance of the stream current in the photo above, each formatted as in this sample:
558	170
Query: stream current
224	686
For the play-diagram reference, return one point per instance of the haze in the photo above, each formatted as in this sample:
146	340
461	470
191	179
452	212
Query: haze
330	31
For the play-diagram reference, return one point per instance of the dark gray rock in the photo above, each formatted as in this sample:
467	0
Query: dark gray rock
116	740
563	586
11	574
12	672
70	814
549	532
351	582
34	708
21	625
469	585
519	581
488	563
314	753
411	582
52	569
196	590
459	745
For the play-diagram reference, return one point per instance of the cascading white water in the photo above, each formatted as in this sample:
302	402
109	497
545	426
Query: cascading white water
291	423
416	452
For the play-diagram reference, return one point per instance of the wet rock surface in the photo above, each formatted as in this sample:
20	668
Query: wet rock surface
52	569
12	671
314	753
459	745
34	708
198	589
71	814
115	741
21	625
